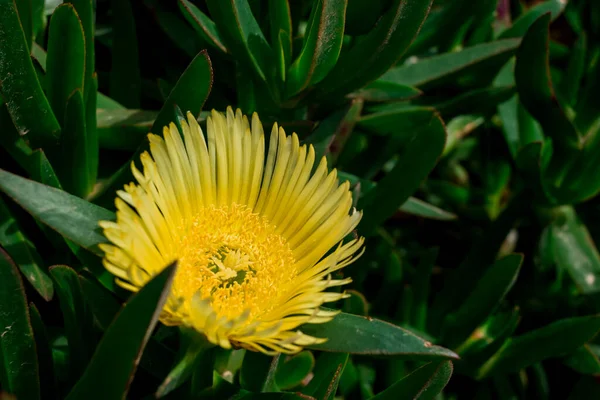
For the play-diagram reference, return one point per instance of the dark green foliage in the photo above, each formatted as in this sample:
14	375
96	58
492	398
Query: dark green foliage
469	132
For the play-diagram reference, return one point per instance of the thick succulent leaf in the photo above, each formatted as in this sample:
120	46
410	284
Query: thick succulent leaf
28	106
125	80
483	253
377	51
524	22
116	358
44	353
574	73
473	64
322	45
65	65
327	374
196	354
258	372
72	217
532	75
416	159
123	129
353	334
425	383
85	12
76	316
281	35
292	370
205	27
381	90
73	166
483	299
420	208
554	340
24	254
19	372
585	360
242	35
568	243
157	359
189	94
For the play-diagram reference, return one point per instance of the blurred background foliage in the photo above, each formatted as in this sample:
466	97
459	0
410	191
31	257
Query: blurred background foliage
469	133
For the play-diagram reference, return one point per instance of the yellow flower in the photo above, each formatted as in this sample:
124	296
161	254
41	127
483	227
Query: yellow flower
256	239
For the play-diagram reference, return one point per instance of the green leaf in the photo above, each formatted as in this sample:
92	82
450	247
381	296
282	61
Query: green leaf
377	51
483	251
327	374
19	371
28	106
195	347
180	33
189	94
420	208
85	12
116	358
123	129
574	73
205	27
483	60
281	34
383	91
242	35
23	252
332	133
156	359
65	66
258	372
532	75
34	162
477	101
348	333
322	45
292	370
424	383
483	299
585	359
125	80
524	22
417	158
74	168
44	353
76	316
571	247
102	303
92	148
72	217
554	340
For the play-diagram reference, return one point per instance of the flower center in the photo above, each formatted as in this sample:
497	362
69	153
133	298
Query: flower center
235	258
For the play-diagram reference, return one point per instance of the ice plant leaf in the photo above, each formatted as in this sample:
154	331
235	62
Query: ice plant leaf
353	334
116	358
76	316
23	253
534	83
322	45
26	102
327	374
377	51
554	340
65	65
424	383
17	348
205	27
257	231
72	217
433	71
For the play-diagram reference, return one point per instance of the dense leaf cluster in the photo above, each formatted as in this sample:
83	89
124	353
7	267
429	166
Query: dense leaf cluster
469	131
